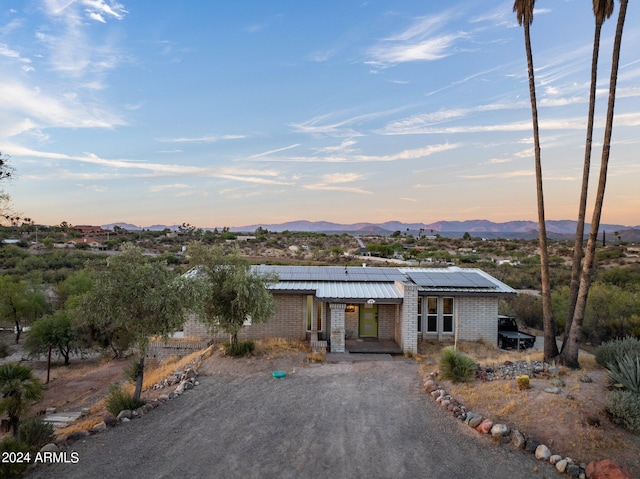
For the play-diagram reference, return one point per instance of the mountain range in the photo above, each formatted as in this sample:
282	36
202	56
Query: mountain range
485	228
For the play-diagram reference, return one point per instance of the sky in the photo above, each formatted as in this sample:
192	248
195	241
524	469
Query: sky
258	112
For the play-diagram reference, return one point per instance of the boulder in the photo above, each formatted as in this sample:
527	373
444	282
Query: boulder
552	390
561	465
475	421
531	445
554	459
543	452
605	470
485	426
101	426
51	447
517	439
499	430
110	420
125	413
75	436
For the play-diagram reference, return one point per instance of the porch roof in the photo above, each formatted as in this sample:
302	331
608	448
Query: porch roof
341	291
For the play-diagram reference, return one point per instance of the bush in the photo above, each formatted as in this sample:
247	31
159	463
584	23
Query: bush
118	400
624	407
626	371
240	348
4	349
456	366
8	468
611	351
35	433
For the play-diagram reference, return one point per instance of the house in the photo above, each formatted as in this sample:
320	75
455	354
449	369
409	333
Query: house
400	305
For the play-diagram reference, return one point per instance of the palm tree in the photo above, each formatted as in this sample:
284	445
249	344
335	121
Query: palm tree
602	10
524	14
19	388
570	351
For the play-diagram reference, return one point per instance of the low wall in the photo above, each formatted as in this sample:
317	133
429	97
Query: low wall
179	348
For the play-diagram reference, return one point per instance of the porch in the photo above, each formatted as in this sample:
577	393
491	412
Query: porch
372	346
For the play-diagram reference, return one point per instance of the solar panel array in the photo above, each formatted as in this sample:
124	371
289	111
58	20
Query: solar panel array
449	279
334	273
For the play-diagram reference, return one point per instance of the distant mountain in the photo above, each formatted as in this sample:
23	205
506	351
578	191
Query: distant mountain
562	229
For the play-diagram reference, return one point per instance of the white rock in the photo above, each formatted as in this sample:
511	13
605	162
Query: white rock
555	458
543	452
561	465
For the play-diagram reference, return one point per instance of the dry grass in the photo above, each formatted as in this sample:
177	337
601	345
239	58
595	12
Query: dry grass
317	357
277	347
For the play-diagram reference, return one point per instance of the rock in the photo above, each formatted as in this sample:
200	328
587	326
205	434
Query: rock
543	452
517	439
51	410
188	385
552	390
605	470
561	465
430	385
573	470
190	373
51	447
110	420
485	426
499	430
554	459
445	403
531	445
163	397
475	422
101	426
125	413
585	378
125	419
470	416
196	383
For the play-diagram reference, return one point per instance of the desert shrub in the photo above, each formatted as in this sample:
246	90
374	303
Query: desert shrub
523	382
626	371
35	433
456	366
611	351
240	348
624	407
118	400
12	468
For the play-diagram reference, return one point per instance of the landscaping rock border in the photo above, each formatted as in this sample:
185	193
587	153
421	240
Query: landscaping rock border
518	440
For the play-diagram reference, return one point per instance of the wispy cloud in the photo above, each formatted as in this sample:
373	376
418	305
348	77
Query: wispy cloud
499	175
338	182
422	41
175	186
201	139
271	152
411	154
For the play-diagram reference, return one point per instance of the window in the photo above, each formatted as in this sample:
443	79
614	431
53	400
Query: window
419	314
447	315
432	314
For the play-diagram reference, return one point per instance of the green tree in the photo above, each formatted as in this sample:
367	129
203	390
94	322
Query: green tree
19	388
570	349
134	298
524	14
19	303
56	331
602	10
229	292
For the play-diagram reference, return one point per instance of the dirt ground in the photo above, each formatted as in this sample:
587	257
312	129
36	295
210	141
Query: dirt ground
560	421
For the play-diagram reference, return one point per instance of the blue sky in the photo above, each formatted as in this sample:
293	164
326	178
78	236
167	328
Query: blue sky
234	113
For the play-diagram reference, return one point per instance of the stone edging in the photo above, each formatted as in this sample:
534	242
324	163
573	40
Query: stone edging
506	435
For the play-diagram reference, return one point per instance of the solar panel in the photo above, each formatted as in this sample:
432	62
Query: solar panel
453	279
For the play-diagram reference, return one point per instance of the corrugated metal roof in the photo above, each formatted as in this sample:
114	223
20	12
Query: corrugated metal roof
328	290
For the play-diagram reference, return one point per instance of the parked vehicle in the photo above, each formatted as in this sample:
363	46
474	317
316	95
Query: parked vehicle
510	338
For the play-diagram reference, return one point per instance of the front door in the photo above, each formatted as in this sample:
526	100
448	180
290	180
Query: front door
368	324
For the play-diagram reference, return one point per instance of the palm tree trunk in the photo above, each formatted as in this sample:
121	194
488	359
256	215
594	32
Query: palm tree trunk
570	352
550	346
579	241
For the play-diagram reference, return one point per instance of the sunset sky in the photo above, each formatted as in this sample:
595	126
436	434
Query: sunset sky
248	112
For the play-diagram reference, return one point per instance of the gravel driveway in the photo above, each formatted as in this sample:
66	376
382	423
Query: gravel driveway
345	420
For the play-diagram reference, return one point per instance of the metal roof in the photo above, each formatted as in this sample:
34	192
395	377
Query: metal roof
340	290
339	282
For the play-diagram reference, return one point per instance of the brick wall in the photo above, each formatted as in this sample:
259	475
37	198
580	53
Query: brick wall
160	351
386	321
409	318
288	322
337	327
478	318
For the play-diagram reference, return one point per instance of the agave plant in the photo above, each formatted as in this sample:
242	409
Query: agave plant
626	372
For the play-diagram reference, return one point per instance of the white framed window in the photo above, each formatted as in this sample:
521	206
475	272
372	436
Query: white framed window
447	315
432	314
419	314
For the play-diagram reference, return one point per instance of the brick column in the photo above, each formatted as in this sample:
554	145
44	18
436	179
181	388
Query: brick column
337	327
409	319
